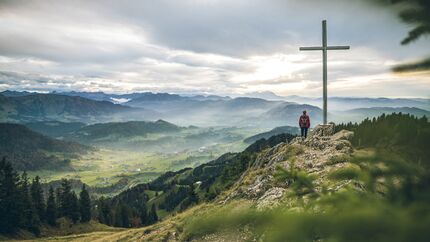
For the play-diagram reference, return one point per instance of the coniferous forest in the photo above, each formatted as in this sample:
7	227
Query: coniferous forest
24	206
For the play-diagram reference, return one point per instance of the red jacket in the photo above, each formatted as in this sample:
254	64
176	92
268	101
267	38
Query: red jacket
304	121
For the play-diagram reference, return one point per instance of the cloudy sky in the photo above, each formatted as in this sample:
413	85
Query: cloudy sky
205	46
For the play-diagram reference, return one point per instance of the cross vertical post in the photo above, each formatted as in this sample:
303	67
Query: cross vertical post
324	40
324	49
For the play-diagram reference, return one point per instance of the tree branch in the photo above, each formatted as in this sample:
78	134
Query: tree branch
423	65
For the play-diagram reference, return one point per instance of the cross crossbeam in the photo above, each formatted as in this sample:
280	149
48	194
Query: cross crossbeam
324	48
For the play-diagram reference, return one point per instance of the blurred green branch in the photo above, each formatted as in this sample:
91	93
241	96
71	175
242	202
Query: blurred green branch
416	13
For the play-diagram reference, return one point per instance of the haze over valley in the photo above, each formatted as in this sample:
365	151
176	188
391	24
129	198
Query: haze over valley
146	134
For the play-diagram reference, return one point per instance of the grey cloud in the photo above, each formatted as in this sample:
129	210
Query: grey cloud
188	45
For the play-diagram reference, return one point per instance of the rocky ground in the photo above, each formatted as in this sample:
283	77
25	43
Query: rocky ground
320	153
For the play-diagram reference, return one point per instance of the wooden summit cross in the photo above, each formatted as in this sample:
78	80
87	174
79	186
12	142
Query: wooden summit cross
324	49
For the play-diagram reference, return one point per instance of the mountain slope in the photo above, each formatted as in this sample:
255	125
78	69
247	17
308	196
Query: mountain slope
28	150
54	128
172	191
129	129
53	107
211	111
289	114
9	93
273	132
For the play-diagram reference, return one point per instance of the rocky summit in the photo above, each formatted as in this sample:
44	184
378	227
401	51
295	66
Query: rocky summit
317	155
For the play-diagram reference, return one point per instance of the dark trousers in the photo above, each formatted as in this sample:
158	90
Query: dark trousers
304	132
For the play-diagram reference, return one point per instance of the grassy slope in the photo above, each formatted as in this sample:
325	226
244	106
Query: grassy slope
28	150
66	231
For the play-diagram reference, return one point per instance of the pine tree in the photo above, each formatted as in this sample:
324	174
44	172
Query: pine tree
143	214
74	213
104	211
85	205
191	199
193	195
122	218
37	198
64	198
30	220
153	217
125	216
69	204
51	208
10	199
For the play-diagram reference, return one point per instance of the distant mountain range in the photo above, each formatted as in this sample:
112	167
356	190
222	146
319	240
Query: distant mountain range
289	114
144	96
54	107
347	103
28	150
335	103
200	110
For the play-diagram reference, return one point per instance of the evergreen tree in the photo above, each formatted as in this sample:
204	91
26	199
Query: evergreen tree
152	216
58	200
37	198
74	213
51	208
104	211
191	199
192	196
64	198
69	204
10	199
30	220
143	214
85	205
125	216
122	216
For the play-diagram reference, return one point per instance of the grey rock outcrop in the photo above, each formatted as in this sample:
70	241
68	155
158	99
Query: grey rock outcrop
313	155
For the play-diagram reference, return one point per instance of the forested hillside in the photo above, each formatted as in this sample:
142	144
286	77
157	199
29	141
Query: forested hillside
176	191
402	134
54	128
123	130
28	150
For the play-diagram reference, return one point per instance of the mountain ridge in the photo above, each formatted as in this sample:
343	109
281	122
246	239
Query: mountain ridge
54	107
28	150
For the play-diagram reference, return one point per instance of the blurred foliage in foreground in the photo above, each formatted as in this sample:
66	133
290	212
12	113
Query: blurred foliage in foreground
416	14
386	198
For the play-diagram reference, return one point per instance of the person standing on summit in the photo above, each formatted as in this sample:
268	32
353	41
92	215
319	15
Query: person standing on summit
304	123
